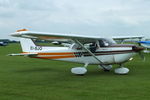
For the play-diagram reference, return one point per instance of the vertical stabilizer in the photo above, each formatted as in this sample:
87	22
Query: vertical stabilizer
27	45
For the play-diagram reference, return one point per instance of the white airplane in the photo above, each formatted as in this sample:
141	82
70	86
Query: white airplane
87	50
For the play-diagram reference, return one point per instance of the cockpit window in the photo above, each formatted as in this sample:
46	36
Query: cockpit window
106	42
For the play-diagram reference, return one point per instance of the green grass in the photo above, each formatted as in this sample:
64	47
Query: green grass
23	78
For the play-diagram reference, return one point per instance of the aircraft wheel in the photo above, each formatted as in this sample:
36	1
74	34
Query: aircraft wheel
122	71
79	70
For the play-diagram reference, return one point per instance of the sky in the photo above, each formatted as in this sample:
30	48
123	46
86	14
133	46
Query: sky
87	17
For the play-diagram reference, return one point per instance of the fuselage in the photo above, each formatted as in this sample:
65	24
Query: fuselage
114	54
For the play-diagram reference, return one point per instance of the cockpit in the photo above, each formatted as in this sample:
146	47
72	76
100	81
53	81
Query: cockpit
94	45
105	42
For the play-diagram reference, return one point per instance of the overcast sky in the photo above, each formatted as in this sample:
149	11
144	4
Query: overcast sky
94	17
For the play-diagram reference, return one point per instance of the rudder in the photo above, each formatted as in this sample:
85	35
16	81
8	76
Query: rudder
27	45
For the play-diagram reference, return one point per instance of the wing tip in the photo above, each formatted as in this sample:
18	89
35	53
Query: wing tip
22	30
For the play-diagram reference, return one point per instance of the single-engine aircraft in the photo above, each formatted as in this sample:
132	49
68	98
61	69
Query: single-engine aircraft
101	51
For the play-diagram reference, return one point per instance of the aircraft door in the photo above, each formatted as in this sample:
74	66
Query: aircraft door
105	52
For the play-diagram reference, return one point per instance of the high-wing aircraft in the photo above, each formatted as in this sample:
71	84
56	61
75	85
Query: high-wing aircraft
101	51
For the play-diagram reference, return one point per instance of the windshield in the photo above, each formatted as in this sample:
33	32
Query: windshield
106	42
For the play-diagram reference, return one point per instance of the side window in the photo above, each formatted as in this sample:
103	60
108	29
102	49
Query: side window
93	47
103	43
76	46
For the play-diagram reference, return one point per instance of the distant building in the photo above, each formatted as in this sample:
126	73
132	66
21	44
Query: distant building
8	41
5	40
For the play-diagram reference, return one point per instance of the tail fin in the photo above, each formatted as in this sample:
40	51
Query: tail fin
27	45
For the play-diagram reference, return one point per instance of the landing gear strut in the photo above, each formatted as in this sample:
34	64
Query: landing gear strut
122	70
79	70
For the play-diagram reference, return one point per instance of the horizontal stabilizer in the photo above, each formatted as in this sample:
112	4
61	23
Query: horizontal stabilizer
23	54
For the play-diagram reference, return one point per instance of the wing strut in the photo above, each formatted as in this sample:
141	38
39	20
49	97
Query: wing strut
92	54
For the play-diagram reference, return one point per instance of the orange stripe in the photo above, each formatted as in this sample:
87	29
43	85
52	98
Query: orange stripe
25	53
59	53
56	57
22	30
28	52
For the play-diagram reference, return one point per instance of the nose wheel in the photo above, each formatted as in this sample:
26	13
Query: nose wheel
122	70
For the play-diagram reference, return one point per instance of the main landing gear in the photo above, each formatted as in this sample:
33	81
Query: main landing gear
121	70
79	70
83	70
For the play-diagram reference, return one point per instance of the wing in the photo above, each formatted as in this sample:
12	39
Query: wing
121	39
51	36
24	33
127	37
144	42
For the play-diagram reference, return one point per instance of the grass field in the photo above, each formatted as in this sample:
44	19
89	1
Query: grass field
23	78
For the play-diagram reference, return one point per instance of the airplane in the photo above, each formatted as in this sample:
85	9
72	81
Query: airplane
3	44
87	50
145	44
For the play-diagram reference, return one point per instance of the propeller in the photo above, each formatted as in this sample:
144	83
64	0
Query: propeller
139	50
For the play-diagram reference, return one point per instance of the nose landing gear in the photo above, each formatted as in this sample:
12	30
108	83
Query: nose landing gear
122	70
